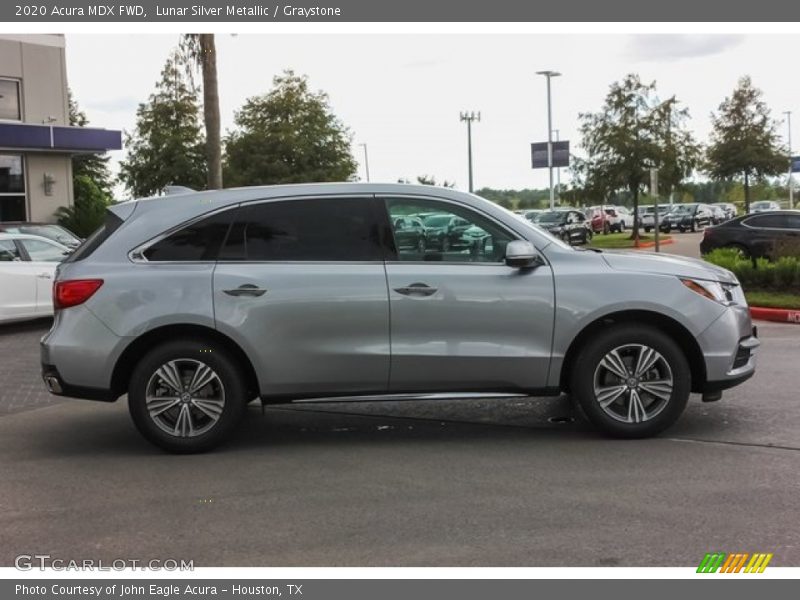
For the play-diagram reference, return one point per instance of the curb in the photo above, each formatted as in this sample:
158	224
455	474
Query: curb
779	315
653	244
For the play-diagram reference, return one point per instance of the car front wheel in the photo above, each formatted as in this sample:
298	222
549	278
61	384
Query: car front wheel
186	396
631	381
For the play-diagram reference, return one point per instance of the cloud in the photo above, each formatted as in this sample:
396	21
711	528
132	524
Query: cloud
669	47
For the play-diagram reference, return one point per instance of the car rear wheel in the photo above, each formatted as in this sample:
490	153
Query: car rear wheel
186	396
632	381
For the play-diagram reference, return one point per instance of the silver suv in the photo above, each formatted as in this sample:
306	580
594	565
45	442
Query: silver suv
195	304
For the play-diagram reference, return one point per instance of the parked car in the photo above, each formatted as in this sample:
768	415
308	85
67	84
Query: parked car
759	235
409	232
647	218
728	207
567	225
601	219
27	266
51	231
718	215
687	217
195	304
445	231
622	217
764	206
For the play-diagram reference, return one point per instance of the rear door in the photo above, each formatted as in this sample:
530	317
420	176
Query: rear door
44	257
301	284
17	283
462	320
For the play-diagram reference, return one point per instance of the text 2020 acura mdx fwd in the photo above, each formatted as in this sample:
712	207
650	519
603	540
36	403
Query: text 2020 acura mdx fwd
197	303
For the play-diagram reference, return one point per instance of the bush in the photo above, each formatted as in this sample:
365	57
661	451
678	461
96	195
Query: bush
89	209
782	275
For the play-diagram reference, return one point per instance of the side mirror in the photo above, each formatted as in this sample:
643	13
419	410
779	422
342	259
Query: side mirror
522	254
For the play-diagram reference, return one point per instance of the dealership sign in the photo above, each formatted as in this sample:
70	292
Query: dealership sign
539	154
796	164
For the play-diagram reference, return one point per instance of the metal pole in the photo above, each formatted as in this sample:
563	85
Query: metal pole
366	161
558	175
469	152
550	145
788	114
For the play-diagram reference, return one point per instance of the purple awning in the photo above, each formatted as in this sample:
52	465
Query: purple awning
58	138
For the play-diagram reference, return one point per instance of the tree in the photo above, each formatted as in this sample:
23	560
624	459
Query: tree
744	143
88	211
201	50
632	133
93	166
289	135
428	180
167	145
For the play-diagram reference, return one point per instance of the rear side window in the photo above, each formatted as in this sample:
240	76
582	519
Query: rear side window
314	229
198	241
94	241
768	221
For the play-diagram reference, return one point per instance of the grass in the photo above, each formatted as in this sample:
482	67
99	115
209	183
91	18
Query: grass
768	299
620	240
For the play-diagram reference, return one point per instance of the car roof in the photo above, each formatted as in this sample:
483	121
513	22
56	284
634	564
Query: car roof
28	236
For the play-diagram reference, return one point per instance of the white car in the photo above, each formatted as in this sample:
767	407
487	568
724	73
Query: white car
27	267
764	206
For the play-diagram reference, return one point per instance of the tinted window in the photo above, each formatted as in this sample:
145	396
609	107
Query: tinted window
41	251
451	233
769	221
314	229
8	251
200	240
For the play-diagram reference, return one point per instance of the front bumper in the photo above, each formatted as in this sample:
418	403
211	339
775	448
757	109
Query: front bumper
729	347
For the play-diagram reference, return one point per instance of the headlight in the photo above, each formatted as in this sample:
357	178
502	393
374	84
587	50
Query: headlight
724	293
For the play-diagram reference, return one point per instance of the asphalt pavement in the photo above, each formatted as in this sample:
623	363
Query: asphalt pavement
483	482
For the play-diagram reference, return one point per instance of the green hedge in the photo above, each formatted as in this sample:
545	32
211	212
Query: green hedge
782	275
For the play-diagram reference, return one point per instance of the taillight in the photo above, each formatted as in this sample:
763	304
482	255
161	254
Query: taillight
74	291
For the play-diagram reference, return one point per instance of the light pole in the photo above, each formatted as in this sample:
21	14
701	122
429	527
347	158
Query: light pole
788	114
550	75
558	174
366	161
469	117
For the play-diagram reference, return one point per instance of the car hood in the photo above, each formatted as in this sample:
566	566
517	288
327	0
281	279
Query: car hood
666	264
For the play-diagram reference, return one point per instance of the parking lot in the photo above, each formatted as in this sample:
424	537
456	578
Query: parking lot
490	482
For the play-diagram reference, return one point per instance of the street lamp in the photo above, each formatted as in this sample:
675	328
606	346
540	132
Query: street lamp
469	117
558	173
788	114
550	75
366	161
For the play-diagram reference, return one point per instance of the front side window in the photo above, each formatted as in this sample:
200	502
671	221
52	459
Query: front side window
8	251
198	241
309	229
449	233
41	251
9	100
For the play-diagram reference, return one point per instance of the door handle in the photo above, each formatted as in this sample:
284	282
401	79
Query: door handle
248	289
416	289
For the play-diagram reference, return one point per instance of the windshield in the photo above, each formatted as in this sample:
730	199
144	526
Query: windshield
762	204
683	208
436	221
550	217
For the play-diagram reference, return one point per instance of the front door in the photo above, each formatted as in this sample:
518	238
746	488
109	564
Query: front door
302	283
461	319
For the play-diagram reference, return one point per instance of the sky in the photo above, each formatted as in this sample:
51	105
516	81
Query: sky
401	94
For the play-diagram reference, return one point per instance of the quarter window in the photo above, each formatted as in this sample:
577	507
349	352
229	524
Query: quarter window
448	233
199	241
311	230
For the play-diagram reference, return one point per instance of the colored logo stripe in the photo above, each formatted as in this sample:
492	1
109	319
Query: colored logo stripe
734	563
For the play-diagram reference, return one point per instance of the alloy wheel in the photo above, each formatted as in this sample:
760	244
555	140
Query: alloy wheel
633	383
185	397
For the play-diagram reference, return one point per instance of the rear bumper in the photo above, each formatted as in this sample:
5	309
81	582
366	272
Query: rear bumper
58	387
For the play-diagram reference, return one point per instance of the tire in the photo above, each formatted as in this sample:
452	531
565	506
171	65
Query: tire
195	428
621	227
621	418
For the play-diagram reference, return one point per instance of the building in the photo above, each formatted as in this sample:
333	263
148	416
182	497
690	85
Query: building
36	141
